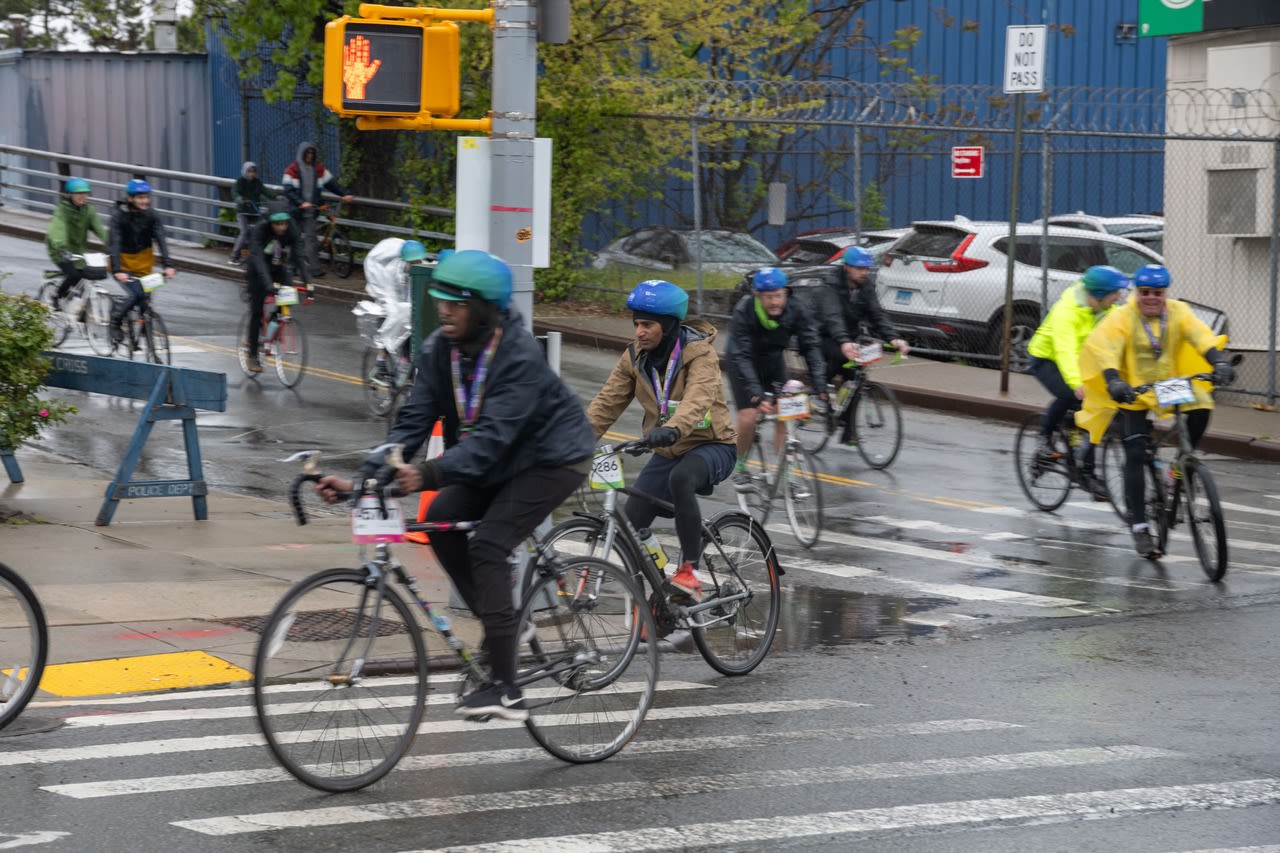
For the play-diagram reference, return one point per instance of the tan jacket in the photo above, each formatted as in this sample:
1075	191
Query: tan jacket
698	388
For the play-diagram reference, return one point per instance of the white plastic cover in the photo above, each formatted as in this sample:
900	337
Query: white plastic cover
387	282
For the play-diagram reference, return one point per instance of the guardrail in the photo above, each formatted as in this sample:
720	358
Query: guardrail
190	216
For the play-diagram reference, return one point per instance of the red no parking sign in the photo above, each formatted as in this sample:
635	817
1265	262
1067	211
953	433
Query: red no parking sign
966	161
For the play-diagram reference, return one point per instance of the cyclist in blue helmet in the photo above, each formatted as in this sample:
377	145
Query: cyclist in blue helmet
848	308
517	443
68	234
760	331
1055	359
673	371
1148	339
135	229
274	247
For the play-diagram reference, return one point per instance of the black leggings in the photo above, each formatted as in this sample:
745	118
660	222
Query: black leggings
478	565
73	276
687	476
258	288
1136	430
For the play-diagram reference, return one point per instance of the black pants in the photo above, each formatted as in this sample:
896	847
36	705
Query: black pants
133	295
72	277
1136	430
1064	400
478	565
258	288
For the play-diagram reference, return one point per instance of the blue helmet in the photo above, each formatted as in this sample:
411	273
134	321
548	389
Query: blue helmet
856	256
76	185
1152	275
1101	280
412	250
137	187
768	278
472	274
656	296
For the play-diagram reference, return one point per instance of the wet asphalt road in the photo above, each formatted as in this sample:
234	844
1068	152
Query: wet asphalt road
955	670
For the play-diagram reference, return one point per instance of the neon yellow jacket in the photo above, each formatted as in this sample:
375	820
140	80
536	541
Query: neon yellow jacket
1063	331
1121	342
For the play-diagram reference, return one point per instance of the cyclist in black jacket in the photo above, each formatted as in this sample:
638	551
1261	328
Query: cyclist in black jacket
134	229
517	443
274	245
845	307
760	331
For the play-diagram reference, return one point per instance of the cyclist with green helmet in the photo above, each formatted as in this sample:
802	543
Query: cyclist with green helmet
274	245
673	371
68	233
1055	358
761	328
517	444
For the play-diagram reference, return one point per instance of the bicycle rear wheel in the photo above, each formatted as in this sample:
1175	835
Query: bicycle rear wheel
591	670
290	347
802	496
339	680
735	636
341	259
58	322
1046	480
24	644
156	340
379	384
97	322
1204	512
877	425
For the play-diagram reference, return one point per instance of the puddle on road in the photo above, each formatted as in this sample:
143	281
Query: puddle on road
812	616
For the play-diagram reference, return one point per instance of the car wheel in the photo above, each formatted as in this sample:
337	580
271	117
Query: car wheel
1020	332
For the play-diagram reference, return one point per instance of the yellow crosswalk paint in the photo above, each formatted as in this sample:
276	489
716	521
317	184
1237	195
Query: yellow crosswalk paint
136	674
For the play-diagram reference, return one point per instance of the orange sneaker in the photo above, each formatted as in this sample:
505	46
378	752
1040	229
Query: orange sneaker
686	580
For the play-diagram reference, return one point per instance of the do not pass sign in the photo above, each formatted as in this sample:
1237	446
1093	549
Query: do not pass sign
966	161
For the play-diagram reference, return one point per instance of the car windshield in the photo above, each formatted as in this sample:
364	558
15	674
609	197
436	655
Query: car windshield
930	243
727	247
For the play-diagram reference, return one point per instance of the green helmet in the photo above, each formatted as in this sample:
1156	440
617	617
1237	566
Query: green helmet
76	185
472	274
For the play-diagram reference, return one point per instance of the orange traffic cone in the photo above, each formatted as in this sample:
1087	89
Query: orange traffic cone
435	449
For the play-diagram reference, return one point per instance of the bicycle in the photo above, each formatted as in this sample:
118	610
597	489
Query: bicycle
143	329
86	303
1047	479
385	375
333	242
795	474
1187	475
734	623
340	676
24	644
281	337
869	411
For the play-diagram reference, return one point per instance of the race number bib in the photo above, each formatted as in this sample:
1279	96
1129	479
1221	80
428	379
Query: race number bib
369	526
606	471
869	353
794	407
286	296
151	282
1172	392
672	405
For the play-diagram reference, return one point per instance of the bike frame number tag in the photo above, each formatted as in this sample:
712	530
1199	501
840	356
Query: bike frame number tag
151	282
869	353
1172	392
368	525
287	296
606	472
794	407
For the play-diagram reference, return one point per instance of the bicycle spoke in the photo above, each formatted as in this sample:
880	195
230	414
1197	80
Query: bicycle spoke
1045	478
739	564
24	644
1204	512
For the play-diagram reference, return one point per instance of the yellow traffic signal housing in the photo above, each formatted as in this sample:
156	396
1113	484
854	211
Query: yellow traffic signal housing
378	67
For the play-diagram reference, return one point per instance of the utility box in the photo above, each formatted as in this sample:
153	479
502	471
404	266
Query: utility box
424	312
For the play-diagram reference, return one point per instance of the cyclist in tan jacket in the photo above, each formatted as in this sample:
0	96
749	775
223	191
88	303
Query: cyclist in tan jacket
673	371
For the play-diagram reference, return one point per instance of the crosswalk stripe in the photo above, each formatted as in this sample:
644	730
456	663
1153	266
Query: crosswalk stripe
1006	812
653	788
412	763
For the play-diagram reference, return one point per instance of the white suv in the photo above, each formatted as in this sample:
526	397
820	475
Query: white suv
943	284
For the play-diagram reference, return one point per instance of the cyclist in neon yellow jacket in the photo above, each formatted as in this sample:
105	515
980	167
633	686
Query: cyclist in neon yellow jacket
1147	340
1055	358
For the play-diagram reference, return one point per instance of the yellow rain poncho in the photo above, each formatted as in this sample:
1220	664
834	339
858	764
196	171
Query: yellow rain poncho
1123	341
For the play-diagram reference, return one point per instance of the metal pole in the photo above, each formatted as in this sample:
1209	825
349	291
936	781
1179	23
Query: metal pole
1046	205
857	181
1013	242
697	212
514	95
1275	272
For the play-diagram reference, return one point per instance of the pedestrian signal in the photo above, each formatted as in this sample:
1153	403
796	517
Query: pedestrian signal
391	68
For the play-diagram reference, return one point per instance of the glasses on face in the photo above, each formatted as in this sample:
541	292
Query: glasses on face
1151	291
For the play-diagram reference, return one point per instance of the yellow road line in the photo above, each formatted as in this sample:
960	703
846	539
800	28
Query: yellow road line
136	674
310	371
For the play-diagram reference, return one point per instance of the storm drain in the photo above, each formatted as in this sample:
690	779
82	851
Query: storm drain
316	626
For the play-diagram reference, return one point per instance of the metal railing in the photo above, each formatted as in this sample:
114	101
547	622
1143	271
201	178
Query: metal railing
192	216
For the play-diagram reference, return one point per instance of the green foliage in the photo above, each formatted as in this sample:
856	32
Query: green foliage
873	208
24	335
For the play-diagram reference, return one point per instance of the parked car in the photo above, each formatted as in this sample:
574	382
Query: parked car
660	249
943	284
1143	228
826	248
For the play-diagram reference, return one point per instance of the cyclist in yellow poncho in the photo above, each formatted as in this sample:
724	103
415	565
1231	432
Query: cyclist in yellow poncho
1148	339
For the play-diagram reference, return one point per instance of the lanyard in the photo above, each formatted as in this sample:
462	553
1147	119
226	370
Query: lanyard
1157	344
468	402
662	390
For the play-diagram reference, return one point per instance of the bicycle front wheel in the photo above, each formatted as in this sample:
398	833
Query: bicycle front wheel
742	572
802	496
1204	511
242	344
339	680
754	498
591	670
877	425
815	431
97	322
1111	465
156	340
1045	477
379	383
290	351
24	644
58	322
341	258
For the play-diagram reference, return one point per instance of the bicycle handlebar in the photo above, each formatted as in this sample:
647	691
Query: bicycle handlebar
380	485
1144	388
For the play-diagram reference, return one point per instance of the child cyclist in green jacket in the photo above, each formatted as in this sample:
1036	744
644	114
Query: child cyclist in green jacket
68	233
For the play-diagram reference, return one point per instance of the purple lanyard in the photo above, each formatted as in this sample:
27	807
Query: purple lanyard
468	403
1157	344
662	390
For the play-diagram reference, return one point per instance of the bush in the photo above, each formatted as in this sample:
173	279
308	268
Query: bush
24	335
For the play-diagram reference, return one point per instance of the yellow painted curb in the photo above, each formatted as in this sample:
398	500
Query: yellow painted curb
137	674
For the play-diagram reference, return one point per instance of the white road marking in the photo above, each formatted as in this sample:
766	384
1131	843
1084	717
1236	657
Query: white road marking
651	788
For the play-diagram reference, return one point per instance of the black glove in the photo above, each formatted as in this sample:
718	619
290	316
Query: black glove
1223	373
663	436
1120	391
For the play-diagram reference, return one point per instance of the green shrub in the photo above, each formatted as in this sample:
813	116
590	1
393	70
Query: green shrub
24	335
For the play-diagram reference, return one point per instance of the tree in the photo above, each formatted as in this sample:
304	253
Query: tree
44	25
24	336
